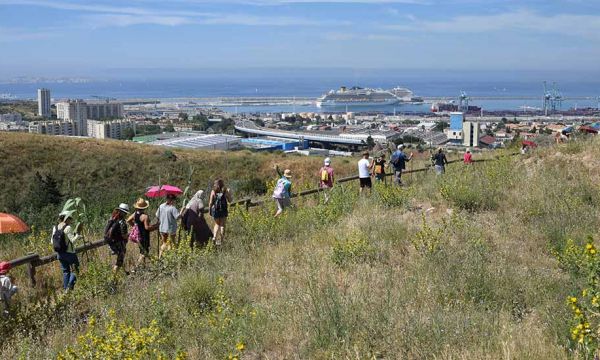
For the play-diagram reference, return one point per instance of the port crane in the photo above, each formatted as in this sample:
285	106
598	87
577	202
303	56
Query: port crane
463	102
552	98
105	98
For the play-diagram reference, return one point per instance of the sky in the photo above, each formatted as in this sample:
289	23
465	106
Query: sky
96	38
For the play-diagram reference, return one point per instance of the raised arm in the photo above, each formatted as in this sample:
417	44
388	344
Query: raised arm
146	221
228	195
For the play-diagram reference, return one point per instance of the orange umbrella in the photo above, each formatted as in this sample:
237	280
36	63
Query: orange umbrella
12	224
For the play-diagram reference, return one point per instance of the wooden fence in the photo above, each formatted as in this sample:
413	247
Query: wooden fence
34	260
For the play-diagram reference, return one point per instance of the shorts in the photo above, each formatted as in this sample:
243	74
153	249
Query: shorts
379	177
365	182
283	203
219	214
439	169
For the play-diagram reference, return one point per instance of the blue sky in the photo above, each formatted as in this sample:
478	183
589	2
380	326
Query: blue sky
68	37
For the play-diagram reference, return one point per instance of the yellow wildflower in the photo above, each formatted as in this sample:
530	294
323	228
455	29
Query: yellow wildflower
240	346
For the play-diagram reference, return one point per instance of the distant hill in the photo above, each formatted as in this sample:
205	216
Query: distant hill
107	172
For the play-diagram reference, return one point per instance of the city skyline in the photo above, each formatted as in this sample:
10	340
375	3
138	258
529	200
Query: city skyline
83	38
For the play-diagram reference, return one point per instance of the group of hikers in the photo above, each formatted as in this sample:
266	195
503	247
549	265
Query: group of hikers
136	226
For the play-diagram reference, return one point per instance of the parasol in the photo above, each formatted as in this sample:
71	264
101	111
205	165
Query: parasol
164	190
11	224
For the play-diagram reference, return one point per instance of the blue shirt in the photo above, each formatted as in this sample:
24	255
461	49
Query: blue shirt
399	160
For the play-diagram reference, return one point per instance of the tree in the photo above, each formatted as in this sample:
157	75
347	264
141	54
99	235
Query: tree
183	116
128	134
169	128
440	125
43	191
370	142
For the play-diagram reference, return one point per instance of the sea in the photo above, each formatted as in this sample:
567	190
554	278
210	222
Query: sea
509	90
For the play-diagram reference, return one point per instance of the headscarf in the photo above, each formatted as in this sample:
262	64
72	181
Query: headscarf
195	204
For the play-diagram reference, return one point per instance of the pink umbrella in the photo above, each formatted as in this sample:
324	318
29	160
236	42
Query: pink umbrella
164	190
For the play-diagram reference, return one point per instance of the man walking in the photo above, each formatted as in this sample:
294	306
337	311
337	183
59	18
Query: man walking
364	172
399	160
439	161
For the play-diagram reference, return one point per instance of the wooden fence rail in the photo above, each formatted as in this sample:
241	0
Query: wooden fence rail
34	260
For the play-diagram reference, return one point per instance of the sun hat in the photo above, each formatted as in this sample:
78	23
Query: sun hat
124	208
141	204
4	267
327	161
287	173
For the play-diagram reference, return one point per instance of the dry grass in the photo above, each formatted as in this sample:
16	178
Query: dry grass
489	289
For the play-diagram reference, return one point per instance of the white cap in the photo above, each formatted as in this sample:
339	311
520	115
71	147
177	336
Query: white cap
327	161
401	146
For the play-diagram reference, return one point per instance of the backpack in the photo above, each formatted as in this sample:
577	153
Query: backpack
395	160
59	241
134	235
378	169
109	231
219	205
279	189
324	175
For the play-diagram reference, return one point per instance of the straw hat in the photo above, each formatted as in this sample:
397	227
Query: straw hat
141	204
4	267
287	173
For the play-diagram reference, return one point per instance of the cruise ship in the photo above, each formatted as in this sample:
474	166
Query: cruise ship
357	96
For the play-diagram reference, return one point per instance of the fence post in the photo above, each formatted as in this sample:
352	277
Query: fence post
31	269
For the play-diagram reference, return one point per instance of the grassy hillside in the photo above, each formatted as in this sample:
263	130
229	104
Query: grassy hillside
476	264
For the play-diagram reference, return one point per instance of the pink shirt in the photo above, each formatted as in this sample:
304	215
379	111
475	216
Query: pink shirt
468	159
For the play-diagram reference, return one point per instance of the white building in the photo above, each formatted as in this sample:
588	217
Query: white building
73	110
470	134
104	110
44	103
14	117
113	129
68	128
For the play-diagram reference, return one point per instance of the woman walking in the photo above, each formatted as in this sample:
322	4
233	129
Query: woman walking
193	220
283	190
142	228
220	196
115	234
63	241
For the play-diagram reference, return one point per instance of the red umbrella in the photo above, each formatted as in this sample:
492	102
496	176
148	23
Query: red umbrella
12	224
164	190
529	143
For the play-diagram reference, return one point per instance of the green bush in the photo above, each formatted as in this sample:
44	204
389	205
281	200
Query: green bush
352	248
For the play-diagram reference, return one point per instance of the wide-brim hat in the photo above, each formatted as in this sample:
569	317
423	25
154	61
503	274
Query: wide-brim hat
141	204
4	267
287	173
124	208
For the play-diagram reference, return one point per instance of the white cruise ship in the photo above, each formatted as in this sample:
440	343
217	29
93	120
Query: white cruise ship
357	96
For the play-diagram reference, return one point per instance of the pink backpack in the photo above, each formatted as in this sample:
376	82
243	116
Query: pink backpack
134	235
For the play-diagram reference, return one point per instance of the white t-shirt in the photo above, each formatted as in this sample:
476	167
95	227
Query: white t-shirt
363	168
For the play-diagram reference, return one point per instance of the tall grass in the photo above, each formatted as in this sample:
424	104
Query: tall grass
358	277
